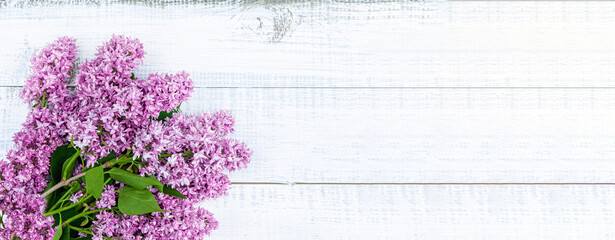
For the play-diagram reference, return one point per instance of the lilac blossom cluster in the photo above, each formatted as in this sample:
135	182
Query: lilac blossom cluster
192	151
183	221
22	177
113	119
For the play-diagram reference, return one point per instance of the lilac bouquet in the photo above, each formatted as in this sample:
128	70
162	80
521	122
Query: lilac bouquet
104	154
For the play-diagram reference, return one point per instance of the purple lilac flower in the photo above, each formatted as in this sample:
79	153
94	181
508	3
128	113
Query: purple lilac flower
183	221
120	104
50	72
107	199
199	154
75	197
23	176
111	110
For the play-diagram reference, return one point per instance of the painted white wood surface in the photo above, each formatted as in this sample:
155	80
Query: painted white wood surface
337	44
415	212
409	135
394	92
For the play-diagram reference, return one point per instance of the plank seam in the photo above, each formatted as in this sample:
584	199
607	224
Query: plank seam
418	184
309	87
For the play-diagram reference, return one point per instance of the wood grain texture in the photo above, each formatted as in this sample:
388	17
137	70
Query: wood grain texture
351	105
415	212
409	135
336	44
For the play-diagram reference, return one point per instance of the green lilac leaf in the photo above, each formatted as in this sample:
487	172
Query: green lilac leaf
64	215
85	221
67	167
58	157
94	181
58	232
172	192
132	179
107	158
69	213
132	201
164	114
65	234
159	187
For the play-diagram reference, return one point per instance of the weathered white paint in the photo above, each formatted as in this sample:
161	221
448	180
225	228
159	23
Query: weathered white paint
377	92
415	212
410	135
337	44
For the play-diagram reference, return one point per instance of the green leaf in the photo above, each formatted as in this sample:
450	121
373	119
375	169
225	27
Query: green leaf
133	201
64	215
59	231
58	157
122	161
133	180
172	192
69	165
164	114
159	187
86	221
94	181
109	156
65	234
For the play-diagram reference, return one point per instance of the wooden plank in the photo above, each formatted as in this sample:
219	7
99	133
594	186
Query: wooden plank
414	212
408	135
336	44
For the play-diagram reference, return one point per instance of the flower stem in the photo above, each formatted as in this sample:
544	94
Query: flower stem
87	232
79	229
67	207
62	199
62	184
81	215
84	199
119	160
68	181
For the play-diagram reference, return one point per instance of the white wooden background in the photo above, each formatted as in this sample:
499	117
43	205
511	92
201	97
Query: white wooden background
378	119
